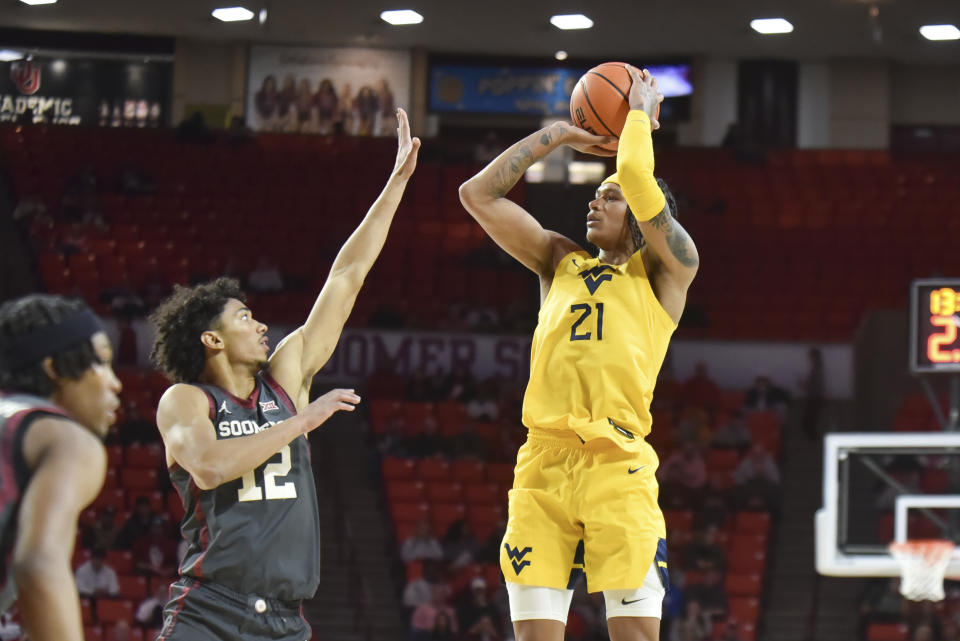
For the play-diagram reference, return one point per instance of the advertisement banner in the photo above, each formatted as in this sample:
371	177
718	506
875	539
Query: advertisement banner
84	91
352	91
526	90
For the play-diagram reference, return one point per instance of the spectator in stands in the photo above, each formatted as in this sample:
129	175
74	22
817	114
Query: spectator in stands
732	434
714	503
700	390
424	589
460	386
479	618
460	546
395	441
710	594
813	388
421	545
194	129
136	427
468	444
425	615
95	578
765	396
265	277
682	475
137	525
704	553
104	531
155	554
881	602
149	613
731	631
238	132
429	442
10	629
442	628
121	631
758	480
694	425
694	626
484	405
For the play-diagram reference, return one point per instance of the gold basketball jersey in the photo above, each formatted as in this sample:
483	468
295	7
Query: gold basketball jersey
600	340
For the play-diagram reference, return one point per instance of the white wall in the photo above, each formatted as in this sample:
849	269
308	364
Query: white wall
859	104
813	105
714	103
925	94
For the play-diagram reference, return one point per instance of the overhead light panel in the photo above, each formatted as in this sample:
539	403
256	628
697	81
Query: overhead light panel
401	16
36	2
560	55
768	26
9	55
232	14
571	21
940	32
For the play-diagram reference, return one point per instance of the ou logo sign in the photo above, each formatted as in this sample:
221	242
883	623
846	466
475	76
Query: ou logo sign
26	76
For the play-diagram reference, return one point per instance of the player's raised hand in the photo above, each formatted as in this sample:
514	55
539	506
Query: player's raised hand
337	400
644	94
407	147
584	141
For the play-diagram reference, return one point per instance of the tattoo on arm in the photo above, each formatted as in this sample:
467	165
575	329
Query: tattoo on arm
678	240
510	170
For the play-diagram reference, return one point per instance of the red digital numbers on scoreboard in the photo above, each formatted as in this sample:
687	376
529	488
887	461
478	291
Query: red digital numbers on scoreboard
934	323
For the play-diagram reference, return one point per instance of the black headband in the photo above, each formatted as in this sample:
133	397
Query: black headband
50	339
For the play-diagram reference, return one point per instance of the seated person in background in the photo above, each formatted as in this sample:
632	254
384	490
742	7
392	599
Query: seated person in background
484	405
460	546
104	531
421	545
428	442
395	441
95	578
700	390
137	525
479	618
714	503
265	277
758	479
710	594
731	631
155	554
149	613
704	553
694	626
442	628
425	615
765	396
733	434
682	475
694	425
469	444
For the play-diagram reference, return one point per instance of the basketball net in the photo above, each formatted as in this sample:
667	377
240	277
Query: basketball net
922	564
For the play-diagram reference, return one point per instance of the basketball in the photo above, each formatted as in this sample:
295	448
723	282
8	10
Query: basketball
599	102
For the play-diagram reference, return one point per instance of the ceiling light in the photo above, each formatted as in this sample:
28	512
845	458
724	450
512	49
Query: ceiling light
401	16
940	32
232	14
560	55
571	21
36	2
9	55
771	25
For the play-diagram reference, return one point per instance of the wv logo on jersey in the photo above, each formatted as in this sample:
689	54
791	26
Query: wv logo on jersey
595	277
516	557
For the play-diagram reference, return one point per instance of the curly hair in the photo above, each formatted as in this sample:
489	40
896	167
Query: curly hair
634	226
181	319
22	316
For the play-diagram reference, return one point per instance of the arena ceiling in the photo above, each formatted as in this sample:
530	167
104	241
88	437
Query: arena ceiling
636	30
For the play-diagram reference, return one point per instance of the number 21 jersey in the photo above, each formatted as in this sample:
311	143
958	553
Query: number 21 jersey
601	338
258	534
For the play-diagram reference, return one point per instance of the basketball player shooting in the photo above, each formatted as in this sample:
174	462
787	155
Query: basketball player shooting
584	498
58	399
234	426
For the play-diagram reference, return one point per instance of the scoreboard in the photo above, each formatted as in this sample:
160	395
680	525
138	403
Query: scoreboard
934	324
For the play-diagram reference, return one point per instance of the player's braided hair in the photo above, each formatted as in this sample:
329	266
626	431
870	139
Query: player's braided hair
181	319
634	226
25	315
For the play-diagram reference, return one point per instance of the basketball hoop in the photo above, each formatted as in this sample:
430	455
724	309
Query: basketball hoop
923	564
